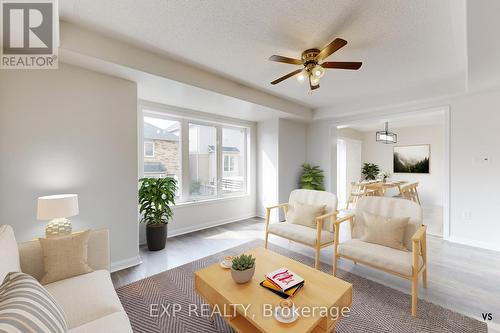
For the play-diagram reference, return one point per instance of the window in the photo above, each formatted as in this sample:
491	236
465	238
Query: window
161	147
202	160
208	159
234	153
229	163
149	149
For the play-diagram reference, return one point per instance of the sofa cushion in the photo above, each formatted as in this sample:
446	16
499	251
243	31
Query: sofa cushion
313	197
26	306
304	214
388	207
65	256
86	297
378	255
114	323
386	231
9	258
300	233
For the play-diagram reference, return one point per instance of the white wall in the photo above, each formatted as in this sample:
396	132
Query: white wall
70	131
430	185
267	164
281	153
321	138
475	135
292	154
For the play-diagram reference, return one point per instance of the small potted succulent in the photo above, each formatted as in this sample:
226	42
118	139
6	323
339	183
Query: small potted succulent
243	268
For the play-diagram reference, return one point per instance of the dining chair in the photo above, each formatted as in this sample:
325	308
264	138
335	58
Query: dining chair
409	192
358	190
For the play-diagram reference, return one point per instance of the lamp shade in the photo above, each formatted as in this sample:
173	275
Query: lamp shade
57	206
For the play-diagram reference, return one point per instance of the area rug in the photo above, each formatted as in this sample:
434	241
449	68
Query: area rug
160	303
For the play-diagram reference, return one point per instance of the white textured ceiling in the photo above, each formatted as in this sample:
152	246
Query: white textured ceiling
410	48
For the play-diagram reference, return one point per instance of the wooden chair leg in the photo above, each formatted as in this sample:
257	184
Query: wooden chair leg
335	258
414	291
316	262
268	218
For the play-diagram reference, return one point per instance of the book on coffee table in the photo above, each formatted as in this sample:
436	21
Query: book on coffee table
290	292
284	279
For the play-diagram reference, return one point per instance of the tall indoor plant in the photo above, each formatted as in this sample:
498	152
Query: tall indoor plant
311	178
156	195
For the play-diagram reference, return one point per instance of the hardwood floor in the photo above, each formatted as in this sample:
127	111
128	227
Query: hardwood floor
461	278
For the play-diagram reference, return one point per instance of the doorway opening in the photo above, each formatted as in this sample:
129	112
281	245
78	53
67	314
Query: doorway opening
420	158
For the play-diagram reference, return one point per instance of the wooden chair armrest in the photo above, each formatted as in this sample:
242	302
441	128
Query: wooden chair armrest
419	234
278	206
321	218
343	218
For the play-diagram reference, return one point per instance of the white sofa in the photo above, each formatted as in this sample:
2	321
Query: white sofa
89	301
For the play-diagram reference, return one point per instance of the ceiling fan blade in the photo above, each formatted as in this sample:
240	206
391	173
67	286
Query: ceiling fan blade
332	47
286	76
311	85
285	60
342	64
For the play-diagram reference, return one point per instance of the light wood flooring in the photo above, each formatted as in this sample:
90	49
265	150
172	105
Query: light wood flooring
461	278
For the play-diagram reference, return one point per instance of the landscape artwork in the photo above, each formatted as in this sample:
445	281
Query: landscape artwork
412	159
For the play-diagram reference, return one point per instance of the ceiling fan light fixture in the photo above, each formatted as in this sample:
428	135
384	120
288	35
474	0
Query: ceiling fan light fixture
314	80
318	71
302	76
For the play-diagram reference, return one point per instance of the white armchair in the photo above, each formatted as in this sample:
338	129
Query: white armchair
406	264
320	236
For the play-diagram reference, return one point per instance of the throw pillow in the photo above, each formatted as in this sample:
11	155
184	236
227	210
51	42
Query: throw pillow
386	231
9	252
26	306
65	256
304	214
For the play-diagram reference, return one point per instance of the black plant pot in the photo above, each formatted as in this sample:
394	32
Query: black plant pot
156	236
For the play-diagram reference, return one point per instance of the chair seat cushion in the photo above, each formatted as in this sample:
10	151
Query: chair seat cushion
85	298
300	233
378	255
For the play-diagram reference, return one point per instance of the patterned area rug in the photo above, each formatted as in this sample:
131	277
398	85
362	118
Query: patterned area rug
376	308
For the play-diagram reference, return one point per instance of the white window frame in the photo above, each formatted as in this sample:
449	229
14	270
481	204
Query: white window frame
152	144
163	112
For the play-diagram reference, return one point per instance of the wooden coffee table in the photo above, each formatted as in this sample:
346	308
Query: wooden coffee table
322	292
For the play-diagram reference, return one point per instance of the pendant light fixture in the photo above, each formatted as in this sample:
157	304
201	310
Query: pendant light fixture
386	136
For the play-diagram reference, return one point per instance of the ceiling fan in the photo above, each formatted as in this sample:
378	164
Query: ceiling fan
314	66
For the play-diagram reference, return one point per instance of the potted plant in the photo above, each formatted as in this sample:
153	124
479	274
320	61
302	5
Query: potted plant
370	171
312	178
385	175
156	195
243	268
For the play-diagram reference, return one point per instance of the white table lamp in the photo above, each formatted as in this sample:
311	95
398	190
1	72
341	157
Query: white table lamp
57	208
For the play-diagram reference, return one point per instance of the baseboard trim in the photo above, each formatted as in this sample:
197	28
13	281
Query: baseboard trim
492	327
198	227
470	242
125	263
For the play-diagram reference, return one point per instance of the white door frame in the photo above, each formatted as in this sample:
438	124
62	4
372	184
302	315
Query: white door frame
445	110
